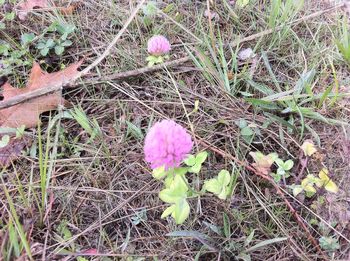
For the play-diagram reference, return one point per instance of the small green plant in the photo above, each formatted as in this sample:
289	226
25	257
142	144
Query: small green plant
5	139
178	189
11	58
57	39
308	184
283	169
195	162
8	15
149	12
263	163
329	243
247	131
220	186
90	126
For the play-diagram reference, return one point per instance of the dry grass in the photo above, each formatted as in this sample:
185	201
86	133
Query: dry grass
97	189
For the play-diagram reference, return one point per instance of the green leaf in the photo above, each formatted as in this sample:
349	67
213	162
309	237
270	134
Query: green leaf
196	168
247	131
20	131
10	16
168	211
150	9
220	185
227	226
265	243
241	123
190	160
288	165
41	45
169	8
59	49
4	141
213	186
224	177
64	28
50	43
181	212
44	51
177	190
201	157
67	43
329	243
27	38
297	189
249	238
276	177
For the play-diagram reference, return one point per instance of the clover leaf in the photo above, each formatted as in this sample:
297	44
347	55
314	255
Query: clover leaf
283	168
220	186
195	162
176	194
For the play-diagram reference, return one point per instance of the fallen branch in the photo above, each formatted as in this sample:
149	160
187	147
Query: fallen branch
144	70
53	88
278	190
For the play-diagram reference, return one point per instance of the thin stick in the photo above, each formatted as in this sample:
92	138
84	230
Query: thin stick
132	73
53	88
278	190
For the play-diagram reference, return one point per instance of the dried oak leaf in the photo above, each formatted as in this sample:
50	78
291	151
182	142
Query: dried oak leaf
27	113
25	7
12	150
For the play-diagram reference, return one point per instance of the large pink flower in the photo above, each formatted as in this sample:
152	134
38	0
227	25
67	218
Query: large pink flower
167	144
158	45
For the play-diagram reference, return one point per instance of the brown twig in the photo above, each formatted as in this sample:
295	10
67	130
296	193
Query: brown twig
278	189
53	88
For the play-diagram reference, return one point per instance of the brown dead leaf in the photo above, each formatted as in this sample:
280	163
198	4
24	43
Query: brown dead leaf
12	150
25	7
27	113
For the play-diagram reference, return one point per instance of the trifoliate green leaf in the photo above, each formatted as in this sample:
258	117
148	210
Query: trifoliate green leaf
219	185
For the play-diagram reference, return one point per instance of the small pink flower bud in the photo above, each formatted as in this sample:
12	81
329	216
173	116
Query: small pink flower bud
158	45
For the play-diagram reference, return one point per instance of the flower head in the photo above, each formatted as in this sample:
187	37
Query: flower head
158	45
167	144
